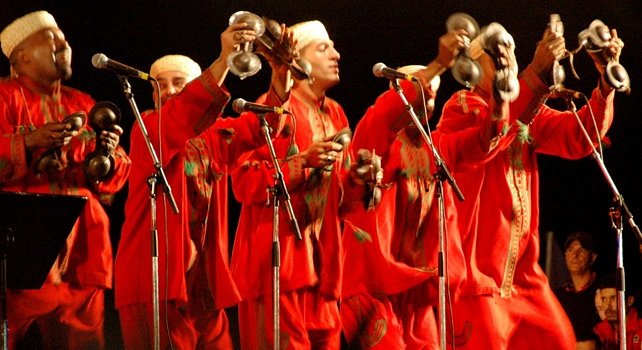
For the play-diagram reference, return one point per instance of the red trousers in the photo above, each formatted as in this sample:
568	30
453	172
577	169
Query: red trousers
401	321
68	317
308	321
535	321
185	331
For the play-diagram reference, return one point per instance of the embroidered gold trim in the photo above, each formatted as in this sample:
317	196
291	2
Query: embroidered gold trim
516	179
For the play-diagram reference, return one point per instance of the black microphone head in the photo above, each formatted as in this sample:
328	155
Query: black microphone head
377	69
99	60
238	105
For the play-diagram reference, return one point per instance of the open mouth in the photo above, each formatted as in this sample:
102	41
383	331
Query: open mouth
62	56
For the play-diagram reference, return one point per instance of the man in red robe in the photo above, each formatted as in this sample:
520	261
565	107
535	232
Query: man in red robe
195	150
69	307
506	301
390	289
313	166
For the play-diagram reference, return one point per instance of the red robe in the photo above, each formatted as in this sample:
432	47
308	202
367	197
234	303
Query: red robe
69	306
208	160
315	259
87	258
183	117
393	249
500	216
310	270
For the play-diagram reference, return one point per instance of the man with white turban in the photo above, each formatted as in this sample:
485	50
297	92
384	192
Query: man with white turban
313	166
69	307
197	148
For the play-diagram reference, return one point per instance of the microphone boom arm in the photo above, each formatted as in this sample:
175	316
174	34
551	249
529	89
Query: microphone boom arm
605	172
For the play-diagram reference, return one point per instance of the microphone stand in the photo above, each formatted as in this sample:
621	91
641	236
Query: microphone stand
6	242
155	179
616	215
441	174
276	193
616	222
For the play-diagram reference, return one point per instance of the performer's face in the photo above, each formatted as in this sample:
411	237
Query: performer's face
432	94
578	259
505	58
609	303
47	54
324	59
171	83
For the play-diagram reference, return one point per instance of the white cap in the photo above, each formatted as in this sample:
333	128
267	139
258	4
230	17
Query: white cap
24	27
414	68
307	32
175	63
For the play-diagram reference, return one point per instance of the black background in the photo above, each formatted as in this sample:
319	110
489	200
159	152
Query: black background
574	194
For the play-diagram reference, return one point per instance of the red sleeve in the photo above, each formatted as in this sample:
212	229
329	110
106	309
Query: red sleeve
385	119
532	93
13	152
236	136
255	175
467	135
558	133
190	113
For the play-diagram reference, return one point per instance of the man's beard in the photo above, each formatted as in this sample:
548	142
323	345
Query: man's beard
64	72
63	64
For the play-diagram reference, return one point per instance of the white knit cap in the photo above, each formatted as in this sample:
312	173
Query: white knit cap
414	68
175	63
24	27
307	32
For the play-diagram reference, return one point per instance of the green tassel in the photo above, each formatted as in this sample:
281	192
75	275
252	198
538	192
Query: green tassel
293	150
362	236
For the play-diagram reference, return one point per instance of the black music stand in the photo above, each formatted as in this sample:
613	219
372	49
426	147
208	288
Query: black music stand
33	230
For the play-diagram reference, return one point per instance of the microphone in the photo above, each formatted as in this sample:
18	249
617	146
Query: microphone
561	92
381	71
240	105
99	60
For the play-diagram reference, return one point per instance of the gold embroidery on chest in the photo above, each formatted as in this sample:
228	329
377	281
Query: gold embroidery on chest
417	179
519	226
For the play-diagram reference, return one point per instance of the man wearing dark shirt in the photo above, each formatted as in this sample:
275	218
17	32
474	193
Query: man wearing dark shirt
578	295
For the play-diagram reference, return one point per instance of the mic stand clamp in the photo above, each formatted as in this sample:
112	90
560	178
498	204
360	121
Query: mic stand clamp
441	175
277	193
155	179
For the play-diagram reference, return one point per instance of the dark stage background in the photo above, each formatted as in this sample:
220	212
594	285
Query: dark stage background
574	194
